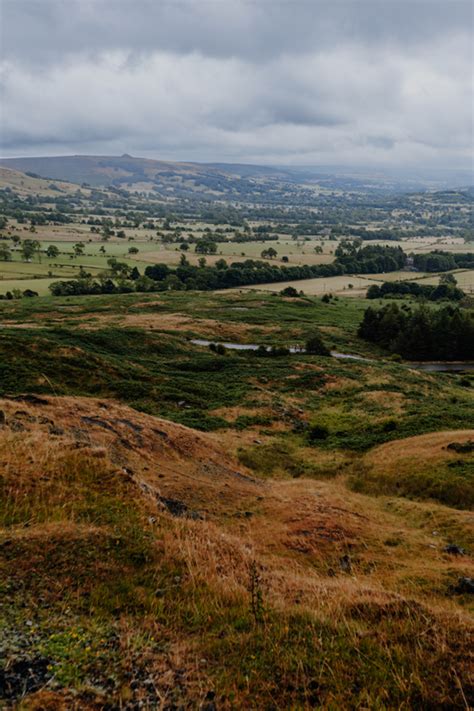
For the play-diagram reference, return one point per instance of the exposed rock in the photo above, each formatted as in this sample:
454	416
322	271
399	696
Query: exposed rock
178	508
453	549
22	676
465	586
345	563
31	399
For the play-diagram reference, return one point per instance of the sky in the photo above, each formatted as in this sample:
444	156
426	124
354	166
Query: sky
275	82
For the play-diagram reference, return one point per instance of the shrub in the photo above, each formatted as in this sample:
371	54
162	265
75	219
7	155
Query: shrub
317	433
316	346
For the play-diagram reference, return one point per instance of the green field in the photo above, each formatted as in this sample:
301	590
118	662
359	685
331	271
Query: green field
39	273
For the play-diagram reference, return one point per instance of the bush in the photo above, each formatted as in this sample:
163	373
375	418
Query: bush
317	433
315	346
289	291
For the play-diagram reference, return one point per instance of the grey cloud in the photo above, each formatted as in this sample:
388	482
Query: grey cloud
38	30
300	81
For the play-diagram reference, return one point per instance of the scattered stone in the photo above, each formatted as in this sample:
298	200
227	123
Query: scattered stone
44	420
23	415
16	426
461	447
31	399
345	563
99	422
465	586
23	676
160	433
453	549
179	508
128	423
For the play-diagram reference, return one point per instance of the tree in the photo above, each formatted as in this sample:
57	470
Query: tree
78	249
270	253
184	246
158	272
29	248
315	345
133	250
118	268
5	254
52	251
448	279
289	291
206	247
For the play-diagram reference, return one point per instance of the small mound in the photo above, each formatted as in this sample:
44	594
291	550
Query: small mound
438	465
185	470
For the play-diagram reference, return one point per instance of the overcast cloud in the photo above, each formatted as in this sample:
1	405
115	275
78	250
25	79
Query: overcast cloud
361	82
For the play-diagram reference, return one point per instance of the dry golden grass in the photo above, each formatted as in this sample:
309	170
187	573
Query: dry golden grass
414	452
304	522
55	452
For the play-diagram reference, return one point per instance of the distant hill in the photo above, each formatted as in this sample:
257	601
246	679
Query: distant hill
31	184
230	181
161	177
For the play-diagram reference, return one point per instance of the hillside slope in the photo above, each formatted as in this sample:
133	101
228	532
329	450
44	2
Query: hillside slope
28	185
141	564
161	177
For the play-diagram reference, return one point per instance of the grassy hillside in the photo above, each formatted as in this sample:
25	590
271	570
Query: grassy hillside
165	574
183	529
144	174
29	185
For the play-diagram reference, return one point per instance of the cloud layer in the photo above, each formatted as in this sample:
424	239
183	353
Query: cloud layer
365	82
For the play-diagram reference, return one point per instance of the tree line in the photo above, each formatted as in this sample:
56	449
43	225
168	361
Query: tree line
446	289
421	334
160	277
439	261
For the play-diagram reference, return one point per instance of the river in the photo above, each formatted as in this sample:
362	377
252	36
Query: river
428	366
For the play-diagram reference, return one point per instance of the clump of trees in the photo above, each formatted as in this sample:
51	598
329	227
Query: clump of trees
269	253
371	259
446	289
421	334
439	261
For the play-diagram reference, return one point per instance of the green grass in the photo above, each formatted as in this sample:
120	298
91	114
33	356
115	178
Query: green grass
450	483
